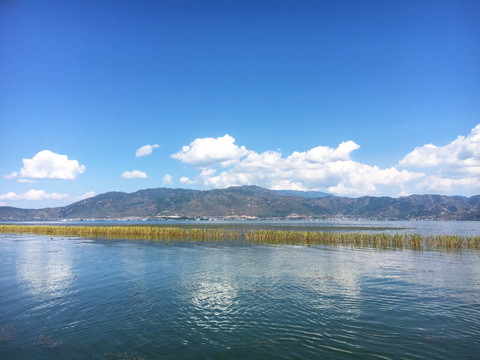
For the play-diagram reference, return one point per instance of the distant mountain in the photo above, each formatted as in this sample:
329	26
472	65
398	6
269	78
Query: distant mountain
252	202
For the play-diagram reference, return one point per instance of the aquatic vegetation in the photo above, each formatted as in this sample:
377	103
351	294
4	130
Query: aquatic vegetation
6	333
123	356
128	232
47	341
257	236
374	240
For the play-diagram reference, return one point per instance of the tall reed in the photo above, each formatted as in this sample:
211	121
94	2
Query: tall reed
263	236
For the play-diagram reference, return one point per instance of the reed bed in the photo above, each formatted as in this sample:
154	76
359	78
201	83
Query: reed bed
128	232
275	237
374	240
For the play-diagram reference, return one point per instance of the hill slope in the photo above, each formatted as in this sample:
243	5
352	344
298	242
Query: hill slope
251	201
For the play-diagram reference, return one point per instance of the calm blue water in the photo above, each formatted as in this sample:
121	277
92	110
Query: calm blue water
77	298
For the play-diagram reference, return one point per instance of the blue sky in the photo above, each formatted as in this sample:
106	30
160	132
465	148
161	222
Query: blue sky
349	97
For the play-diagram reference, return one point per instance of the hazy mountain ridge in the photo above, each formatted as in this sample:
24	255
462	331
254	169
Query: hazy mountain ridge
251	201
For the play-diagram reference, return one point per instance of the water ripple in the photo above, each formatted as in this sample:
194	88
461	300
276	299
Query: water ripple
61	299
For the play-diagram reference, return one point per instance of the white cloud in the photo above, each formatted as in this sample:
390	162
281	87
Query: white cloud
134	174
321	154
41	198
86	195
453	168
204	152
27	181
320	168
361	179
295	172
33	195
146	150
167	179
463	153
186	180
49	165
444	185
12	175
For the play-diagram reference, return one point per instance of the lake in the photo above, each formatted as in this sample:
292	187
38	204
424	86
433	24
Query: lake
77	298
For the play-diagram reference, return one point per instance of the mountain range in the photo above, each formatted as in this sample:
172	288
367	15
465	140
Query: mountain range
251	202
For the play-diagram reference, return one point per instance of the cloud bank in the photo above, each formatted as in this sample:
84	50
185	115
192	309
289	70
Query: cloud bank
33	195
449	167
453	168
56	199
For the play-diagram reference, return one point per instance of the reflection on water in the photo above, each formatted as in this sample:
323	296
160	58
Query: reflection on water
214	297
45	267
129	299
214	304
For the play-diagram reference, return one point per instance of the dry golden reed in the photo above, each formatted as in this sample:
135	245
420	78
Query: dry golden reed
315	238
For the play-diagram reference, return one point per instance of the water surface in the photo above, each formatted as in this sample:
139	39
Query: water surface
77	298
